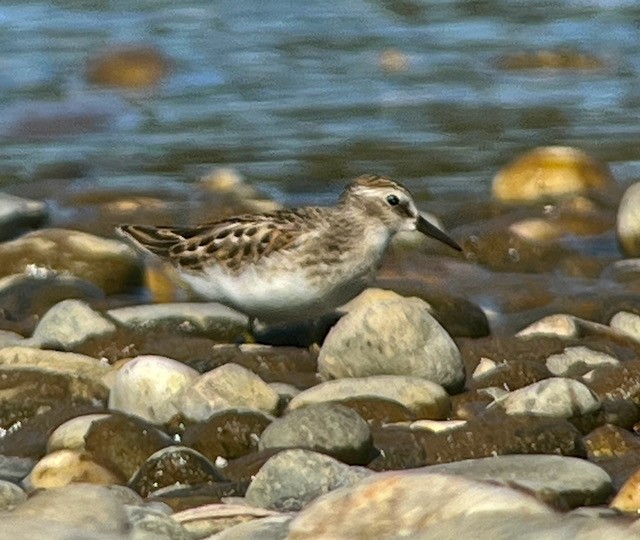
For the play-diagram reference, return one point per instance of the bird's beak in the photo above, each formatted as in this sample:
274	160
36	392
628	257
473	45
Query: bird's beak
428	229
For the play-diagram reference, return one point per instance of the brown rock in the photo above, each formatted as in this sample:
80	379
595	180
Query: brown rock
130	67
558	59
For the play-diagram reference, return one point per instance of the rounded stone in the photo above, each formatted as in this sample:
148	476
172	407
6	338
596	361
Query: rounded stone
628	221
424	398
148	387
229	434
128	67
226	387
558	397
550	171
293	478
150	524
173	465
566	481
11	495
109	264
70	435
64	467
18	215
576	361
68	324
269	528
391	337
328	428
628	323
405	502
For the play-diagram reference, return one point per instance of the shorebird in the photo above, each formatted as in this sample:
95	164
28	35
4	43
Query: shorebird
289	264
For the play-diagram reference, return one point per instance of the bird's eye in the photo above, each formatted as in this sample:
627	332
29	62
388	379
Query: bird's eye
393	200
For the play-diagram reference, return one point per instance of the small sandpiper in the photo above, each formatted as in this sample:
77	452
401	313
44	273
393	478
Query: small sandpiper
289	264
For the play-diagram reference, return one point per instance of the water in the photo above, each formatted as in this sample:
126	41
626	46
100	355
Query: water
293	95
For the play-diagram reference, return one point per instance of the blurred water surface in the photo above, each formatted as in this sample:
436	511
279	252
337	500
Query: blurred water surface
300	96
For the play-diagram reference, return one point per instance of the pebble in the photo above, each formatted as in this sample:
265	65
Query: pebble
226	387
576	361
68	324
628	323
18	215
565	481
71	434
269	528
391	337
402	503
63	467
150	524
206	319
110	265
329	428
11	495
628	221
424	398
293	478
557	397
148	387
550	171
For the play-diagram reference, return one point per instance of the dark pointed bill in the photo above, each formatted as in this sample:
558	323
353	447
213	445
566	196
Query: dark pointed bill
428	229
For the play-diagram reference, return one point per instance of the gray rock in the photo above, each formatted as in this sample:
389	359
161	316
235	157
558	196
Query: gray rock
391	337
148	387
425	398
564	326
15	527
571	480
150	524
401	503
557	397
210	319
14	468
68	324
627	323
228	386
10	495
270	528
628	221
18	215
94	509
575	361
11	339
328	428
291	479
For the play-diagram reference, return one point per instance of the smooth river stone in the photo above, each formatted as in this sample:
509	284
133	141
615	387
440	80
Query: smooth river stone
148	387
628	221
226	387
330	428
293	478
424	398
70	434
11	495
628	323
18	215
391	337
575	361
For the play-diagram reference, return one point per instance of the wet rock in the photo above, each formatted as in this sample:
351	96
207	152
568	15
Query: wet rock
393	337
566	482
616	450
18	215
110	265
148	387
576	361
181	497
269	528
406	502
393	61
561	59
510	375
558	397
13	468
69	323
25	298
628	323
64	467
286	392
228	386
70	435
376	410
229	434
122	444
628	222
483	436
214	518
17	528
293	478
619	382
94	509
11	495
173	465
244	468
328	428
548	172
150	524
563	326
424	398
212	320
133	66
